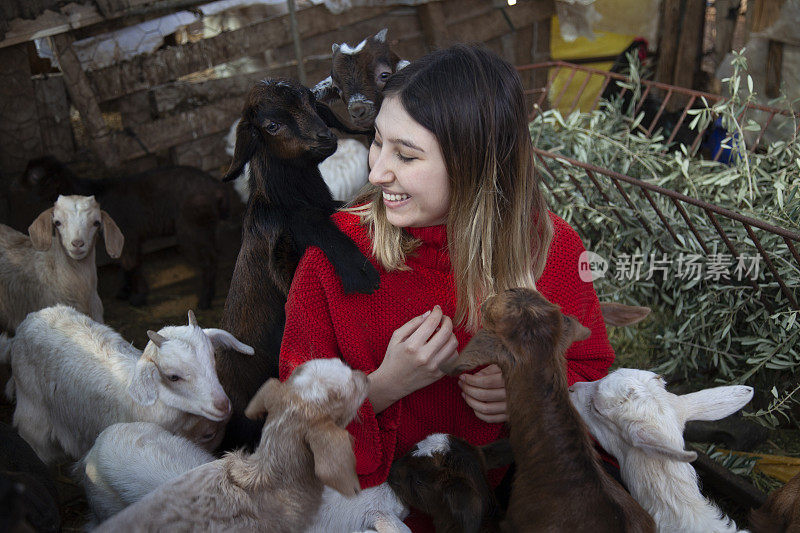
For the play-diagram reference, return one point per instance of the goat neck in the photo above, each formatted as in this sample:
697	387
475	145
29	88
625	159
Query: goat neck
281	455
289	183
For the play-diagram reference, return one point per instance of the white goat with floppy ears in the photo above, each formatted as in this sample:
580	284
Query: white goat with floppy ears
74	377
634	417
40	271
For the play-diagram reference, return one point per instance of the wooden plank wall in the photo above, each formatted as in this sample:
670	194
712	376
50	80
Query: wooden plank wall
185	121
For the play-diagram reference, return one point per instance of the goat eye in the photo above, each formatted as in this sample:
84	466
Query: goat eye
96	223
57	222
273	127
174	377
385	75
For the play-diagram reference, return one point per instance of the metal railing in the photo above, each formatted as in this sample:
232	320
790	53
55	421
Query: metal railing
582	174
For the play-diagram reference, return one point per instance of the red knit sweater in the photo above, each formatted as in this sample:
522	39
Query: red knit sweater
323	322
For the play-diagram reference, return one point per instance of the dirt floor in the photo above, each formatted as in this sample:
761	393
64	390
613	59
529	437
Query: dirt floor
173	291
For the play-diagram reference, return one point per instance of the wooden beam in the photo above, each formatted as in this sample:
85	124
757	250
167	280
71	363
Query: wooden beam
143	72
83	98
296	42
434	25
727	14
81	14
177	129
668	41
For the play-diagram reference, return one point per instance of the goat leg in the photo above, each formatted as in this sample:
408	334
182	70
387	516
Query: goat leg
312	228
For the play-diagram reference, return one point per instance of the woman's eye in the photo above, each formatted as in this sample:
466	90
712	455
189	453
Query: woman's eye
273	127
404	159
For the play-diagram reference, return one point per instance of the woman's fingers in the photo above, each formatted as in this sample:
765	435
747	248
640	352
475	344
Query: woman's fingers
490	377
483	395
485	408
418	338
492	419
402	333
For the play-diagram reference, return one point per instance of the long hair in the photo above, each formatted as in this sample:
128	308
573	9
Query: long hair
498	228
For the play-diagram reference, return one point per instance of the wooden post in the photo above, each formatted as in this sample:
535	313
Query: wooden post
83	97
434	25
298	48
54	120
687	62
725	20
20	136
773	70
668	41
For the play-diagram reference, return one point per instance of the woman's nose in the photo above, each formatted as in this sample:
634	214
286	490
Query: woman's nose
380	173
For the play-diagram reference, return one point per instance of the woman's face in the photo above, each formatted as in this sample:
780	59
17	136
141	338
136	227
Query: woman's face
406	162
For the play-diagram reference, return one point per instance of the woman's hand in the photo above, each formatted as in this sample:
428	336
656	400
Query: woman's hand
485	392
413	356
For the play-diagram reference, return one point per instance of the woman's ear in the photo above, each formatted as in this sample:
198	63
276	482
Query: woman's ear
334	460
41	231
247	141
112	236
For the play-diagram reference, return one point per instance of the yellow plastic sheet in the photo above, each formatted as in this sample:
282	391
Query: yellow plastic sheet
563	91
780	467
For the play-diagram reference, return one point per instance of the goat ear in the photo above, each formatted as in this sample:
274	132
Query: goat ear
334	460
264	399
222	339
41	231
651	439
112	236
381	35
716	403
142	387
403	63
247	142
616	314
497	454
326	91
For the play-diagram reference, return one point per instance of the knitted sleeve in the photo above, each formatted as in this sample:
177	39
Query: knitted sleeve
310	333
587	360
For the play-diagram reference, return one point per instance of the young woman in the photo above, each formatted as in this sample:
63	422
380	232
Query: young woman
454	214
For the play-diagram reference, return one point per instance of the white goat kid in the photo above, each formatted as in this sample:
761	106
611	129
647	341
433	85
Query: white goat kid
634	417
35	272
130	460
73	377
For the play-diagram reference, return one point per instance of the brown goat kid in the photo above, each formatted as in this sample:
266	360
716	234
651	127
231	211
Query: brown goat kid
445	477
283	137
559	484
181	201
781	512
358	75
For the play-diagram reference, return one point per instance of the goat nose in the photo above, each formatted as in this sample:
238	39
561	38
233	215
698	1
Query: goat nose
326	135
358	109
222	404
77	243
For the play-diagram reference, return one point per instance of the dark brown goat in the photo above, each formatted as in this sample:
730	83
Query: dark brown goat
358	75
445	477
559	484
283	137
781	512
162	202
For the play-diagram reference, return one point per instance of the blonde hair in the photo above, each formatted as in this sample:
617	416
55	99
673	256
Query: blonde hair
498	227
